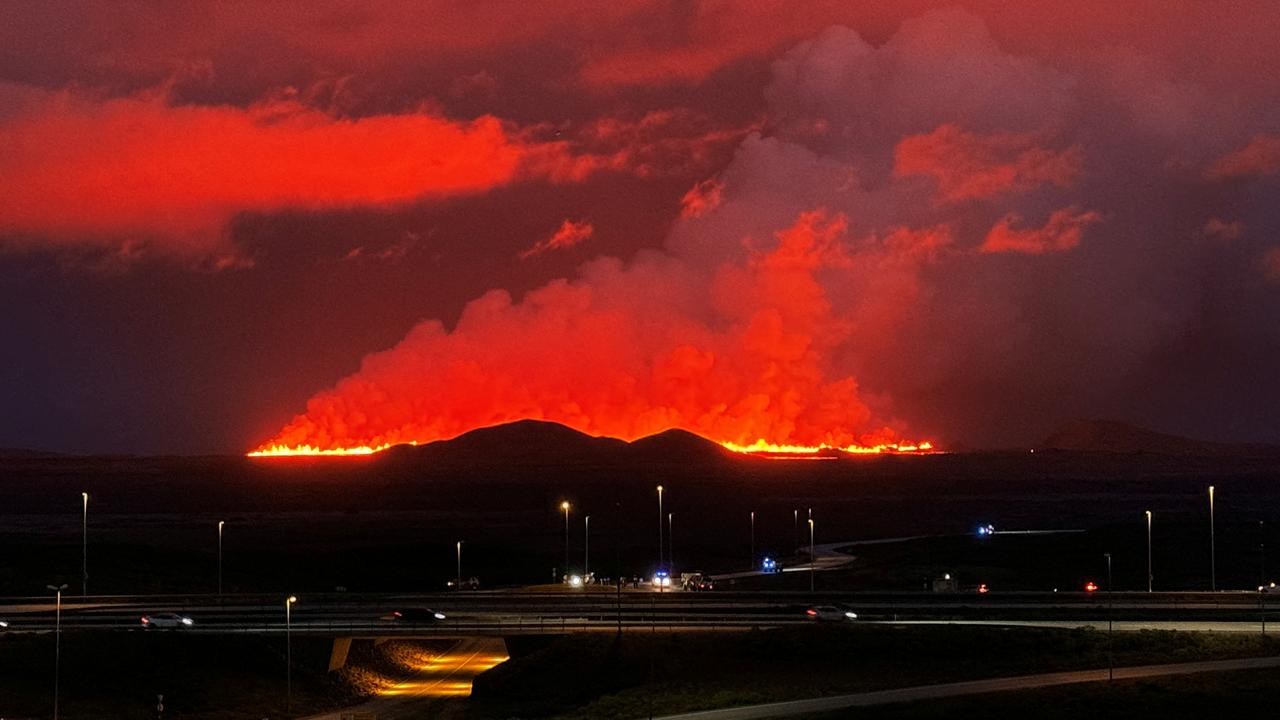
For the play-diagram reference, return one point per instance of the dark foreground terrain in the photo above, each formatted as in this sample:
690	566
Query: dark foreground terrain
392	521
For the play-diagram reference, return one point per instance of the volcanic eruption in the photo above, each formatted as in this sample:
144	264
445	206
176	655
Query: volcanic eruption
740	354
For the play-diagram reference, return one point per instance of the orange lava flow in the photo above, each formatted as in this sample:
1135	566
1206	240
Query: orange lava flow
298	450
759	447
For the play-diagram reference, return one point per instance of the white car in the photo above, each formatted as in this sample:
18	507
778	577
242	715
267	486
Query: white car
830	613
166	620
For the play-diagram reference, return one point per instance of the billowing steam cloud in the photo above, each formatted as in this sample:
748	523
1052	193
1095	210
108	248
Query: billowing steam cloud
929	236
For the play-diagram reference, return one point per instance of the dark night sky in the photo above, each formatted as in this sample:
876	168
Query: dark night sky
843	222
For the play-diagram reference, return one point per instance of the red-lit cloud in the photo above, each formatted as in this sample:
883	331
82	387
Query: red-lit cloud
569	234
1061	232
141	169
1271	264
701	198
968	166
1260	157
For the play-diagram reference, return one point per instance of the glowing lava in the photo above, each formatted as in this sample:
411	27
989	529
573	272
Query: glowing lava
759	447
296	450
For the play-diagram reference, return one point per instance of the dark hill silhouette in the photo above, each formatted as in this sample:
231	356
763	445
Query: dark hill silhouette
523	442
28	453
535	442
677	446
1116	437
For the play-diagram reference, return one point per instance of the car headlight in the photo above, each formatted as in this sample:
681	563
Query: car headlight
439	616
851	615
186	621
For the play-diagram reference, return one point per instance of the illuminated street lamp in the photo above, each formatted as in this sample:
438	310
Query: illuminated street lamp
812	558
660	555
57	642
288	650
565	507
1111	663
671	543
1213	552
458	580
1148	551
84	546
220	524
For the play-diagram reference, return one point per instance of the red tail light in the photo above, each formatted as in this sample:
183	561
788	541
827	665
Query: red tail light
146	620
810	613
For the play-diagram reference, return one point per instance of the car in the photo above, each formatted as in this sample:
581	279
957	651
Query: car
417	615
471	583
698	581
1091	586
172	621
830	613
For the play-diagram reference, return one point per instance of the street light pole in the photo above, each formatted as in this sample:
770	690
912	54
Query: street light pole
1111	663
671	543
795	528
751	565
84	546
1213	552
660	555
288	650
57	642
565	506
220	524
458	578
1148	551
586	547
811	556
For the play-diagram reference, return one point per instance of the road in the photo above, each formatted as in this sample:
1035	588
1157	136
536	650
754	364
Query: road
446	677
498	614
972	687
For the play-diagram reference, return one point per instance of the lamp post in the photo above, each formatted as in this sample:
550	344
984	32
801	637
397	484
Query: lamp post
57	642
660	555
457	582
1262	574
221	523
288	650
565	507
671	543
586	547
1148	551
795	528
1111	664
84	546
1213	552
752	564
811	556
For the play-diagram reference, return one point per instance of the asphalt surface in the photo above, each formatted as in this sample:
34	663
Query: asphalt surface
540	613
972	687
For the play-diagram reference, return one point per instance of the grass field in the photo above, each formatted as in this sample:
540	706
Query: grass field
1246	693
606	677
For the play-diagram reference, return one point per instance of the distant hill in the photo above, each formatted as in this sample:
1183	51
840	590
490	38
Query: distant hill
1117	437
523	442
677	446
27	453
535	442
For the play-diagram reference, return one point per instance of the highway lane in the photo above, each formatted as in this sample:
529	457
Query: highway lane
972	687
546	612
